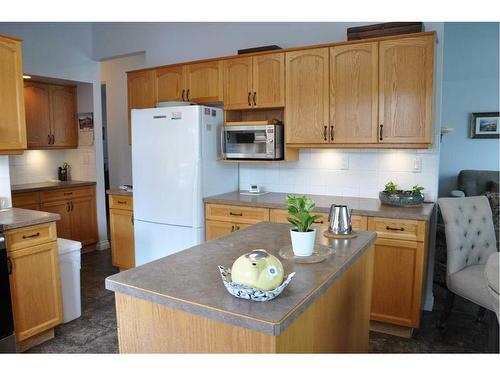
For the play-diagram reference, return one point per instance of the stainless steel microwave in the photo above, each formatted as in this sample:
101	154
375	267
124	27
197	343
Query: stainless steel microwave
252	142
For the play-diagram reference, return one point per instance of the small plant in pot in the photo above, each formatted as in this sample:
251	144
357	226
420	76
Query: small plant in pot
303	237
404	198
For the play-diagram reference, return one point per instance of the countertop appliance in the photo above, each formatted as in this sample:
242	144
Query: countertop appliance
7	338
252	142
174	166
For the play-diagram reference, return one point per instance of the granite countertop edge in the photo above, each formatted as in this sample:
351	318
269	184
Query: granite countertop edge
244	321
119	192
38	217
49	185
396	213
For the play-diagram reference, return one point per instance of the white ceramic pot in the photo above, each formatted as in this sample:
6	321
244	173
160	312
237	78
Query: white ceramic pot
303	242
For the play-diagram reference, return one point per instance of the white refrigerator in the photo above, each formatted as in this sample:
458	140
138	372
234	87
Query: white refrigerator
174	166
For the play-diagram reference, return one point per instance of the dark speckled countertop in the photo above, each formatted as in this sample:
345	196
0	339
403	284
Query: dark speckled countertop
49	185
190	281
11	218
360	206
119	192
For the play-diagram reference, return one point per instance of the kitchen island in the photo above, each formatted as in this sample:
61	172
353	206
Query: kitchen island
178	304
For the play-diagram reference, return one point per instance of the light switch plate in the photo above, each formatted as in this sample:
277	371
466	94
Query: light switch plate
417	164
344	163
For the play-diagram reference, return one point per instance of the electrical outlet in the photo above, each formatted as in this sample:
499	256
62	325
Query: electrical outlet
417	164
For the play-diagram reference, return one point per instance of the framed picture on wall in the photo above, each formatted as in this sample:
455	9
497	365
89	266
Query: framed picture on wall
485	125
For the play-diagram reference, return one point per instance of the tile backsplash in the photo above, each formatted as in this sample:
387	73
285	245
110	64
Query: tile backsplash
41	165
346	172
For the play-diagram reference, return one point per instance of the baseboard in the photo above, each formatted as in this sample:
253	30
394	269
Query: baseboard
102	245
429	302
391	329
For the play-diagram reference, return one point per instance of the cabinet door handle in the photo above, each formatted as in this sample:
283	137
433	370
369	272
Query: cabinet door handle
132	219
187	95
183	91
72	206
232	228
53	139
9	265
318	222
236	214
254	98
391	228
324	133
237	227
68	193
332	130
25	236
67	206
49	139
121	202
249	96
381	134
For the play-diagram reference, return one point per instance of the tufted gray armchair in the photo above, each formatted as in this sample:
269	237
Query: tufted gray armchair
470	238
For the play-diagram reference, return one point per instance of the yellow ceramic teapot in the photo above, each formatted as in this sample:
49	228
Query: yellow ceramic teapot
258	269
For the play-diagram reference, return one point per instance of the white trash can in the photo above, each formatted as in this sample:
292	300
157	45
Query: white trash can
70	264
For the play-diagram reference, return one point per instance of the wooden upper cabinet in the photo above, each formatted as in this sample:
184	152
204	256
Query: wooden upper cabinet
204	82
238	83
63	116
37	105
269	81
50	115
354	93
405	90
170	84
12	118
307	96
141	93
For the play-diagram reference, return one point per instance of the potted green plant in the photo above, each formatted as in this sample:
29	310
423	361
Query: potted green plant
393	196
303	236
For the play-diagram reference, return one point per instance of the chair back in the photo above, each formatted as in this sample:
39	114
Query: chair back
470	236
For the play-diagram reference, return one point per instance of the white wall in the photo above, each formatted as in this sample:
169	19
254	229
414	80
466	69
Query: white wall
113	74
63	50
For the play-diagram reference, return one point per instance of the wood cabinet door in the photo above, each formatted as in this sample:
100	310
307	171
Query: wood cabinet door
307	96
170	84
269	80
397	282
83	220
215	229
63	116
405	90
121	223
238	83
37	105
141	93
63	209
12	118
204	82
35	287
354	93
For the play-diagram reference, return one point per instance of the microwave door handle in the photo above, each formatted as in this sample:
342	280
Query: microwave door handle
222	147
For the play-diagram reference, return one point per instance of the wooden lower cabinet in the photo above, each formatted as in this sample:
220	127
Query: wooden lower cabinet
121	222
215	229
35	286
76	206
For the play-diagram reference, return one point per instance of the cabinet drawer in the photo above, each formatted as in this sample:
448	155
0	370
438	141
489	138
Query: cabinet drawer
412	230
63	194
21	238
21	200
121	202
237	214
216	229
280	216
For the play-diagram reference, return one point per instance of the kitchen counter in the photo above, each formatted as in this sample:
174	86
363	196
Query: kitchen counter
11	218
189	282
49	185
360	206
119	192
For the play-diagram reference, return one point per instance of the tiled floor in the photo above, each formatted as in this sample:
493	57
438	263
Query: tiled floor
95	331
